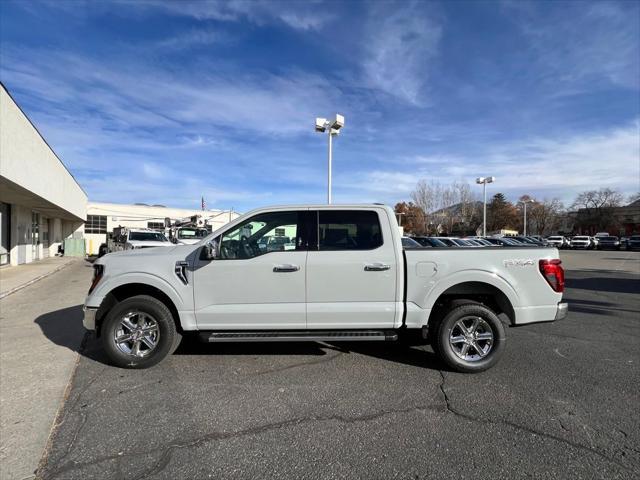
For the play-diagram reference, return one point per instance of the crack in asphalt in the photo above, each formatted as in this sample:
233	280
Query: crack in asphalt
523	428
166	451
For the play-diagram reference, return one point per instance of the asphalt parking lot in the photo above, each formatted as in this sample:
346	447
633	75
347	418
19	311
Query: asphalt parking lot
562	403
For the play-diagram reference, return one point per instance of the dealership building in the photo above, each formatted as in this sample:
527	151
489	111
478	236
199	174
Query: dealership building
102	218
41	203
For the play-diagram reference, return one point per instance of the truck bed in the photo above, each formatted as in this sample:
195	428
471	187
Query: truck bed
512	273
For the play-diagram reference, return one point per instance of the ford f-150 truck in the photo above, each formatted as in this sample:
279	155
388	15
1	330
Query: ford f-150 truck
345	278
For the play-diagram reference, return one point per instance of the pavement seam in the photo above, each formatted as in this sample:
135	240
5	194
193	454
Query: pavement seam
34	280
57	421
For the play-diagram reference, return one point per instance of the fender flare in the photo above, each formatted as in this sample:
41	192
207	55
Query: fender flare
103	289
475	276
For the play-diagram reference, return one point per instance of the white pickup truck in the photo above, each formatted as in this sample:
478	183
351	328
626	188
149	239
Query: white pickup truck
346	278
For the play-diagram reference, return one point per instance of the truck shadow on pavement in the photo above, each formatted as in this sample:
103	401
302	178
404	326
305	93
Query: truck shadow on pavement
64	328
605	284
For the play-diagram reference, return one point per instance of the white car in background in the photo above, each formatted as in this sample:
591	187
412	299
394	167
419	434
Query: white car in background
190	235
558	241
582	241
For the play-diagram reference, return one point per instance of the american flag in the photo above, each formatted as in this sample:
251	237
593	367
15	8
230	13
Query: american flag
203	205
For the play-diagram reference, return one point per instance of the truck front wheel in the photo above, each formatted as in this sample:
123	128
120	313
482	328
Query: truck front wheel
139	332
470	338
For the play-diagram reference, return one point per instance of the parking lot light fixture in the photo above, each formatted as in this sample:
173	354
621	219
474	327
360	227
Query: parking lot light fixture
332	128
483	181
524	202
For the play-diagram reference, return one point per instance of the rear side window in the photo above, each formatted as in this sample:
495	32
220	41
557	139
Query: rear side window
348	230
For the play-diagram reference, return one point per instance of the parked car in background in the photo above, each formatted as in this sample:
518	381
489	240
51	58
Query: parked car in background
526	240
503	242
124	238
447	241
462	243
608	242
276	244
429	242
582	241
558	241
539	238
189	235
633	243
601	234
408	242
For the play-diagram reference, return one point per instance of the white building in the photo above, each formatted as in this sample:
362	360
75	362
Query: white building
41	203
102	218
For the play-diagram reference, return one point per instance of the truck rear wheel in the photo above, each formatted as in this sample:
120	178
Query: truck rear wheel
470	338
139	332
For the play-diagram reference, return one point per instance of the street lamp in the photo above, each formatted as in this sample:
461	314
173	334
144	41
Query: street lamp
524	202
332	127
483	181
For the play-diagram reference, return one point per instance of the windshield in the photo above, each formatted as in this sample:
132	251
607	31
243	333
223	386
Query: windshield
192	233
555	238
581	238
609	238
147	237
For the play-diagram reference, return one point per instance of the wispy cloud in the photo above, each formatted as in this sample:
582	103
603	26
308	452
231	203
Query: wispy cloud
298	15
194	38
584	42
560	167
400	42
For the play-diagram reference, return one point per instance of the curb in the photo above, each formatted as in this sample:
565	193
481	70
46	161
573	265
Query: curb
34	280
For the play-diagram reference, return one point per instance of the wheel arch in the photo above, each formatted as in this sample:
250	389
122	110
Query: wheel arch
128	290
477	291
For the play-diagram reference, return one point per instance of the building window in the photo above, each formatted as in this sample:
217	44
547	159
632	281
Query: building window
156	225
96	224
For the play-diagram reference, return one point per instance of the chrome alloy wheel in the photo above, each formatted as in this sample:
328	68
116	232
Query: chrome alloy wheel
471	338
137	334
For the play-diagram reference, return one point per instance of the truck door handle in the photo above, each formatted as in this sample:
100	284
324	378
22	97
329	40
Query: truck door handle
376	267
286	268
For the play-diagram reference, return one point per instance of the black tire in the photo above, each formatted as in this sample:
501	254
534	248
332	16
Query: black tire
146	311
489	323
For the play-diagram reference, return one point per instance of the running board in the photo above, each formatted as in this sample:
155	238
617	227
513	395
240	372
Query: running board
301	336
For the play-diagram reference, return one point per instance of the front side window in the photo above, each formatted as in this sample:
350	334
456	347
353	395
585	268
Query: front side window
348	230
264	233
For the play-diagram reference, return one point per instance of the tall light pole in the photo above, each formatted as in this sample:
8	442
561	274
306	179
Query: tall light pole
483	181
332	127
524	202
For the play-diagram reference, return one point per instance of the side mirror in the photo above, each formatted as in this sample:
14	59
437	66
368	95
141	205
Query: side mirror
211	250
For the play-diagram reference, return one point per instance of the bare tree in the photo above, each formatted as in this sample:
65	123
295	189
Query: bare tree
545	216
595	208
445	207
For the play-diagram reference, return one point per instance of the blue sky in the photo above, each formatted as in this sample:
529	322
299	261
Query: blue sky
165	102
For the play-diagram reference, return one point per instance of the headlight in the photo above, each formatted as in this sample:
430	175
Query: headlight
98	271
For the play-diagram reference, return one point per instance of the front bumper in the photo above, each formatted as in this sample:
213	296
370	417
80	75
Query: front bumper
562	311
89	320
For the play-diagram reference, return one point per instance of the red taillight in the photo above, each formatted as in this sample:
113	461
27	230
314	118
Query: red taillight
553	273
